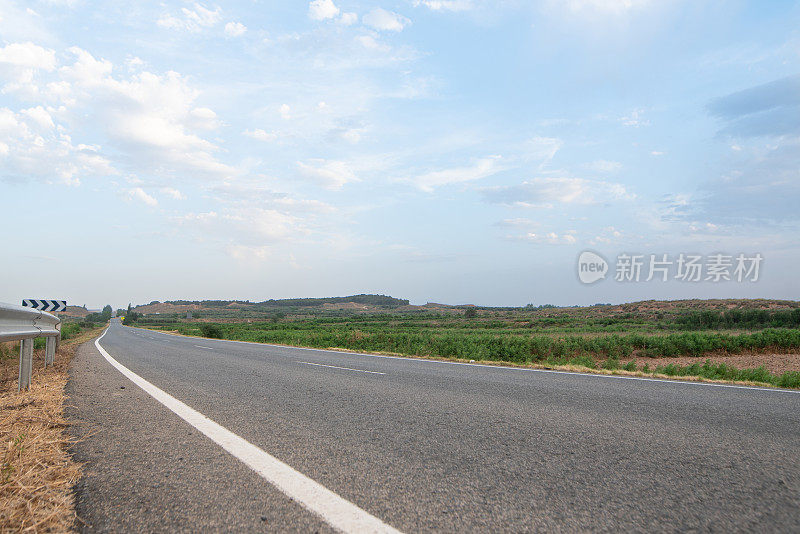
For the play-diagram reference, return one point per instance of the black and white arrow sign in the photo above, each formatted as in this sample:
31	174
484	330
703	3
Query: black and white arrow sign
45	305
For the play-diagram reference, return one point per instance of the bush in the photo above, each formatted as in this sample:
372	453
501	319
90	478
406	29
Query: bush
131	317
611	364
789	379
583	361
70	330
211	330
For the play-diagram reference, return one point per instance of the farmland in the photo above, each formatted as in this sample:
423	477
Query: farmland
645	337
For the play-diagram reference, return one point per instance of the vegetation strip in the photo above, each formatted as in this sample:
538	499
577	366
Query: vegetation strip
697	336
706	371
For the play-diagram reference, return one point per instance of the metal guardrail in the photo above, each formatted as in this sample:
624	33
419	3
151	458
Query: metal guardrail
18	323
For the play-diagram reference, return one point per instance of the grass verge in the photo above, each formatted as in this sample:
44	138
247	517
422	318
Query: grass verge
37	473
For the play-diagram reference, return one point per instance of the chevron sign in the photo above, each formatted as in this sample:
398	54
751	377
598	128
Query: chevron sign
45	305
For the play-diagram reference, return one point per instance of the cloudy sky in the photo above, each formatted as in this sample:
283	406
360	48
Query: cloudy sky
438	150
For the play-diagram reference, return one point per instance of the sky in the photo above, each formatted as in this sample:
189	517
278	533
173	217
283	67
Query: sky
455	151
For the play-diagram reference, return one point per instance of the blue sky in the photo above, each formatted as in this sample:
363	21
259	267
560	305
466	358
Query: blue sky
438	150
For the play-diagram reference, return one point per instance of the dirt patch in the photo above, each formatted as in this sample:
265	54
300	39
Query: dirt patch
37	473
775	363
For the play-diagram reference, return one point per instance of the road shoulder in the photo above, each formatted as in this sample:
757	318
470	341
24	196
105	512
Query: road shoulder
144	469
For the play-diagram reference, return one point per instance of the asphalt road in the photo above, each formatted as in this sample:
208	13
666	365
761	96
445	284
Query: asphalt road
424	446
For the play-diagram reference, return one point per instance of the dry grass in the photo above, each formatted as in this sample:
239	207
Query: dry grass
37	472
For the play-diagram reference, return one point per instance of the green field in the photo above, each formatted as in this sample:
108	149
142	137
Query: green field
591	337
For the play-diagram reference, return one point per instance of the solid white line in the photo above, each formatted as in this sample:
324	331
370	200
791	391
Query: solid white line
202	347
527	369
336	511
345	368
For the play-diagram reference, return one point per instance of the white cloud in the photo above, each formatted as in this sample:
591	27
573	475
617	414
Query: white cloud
348	19
173	193
261	135
445	5
322	9
235	29
157	131
528	230
28	55
86	69
285	111
203	118
39	116
635	119
656	153
249	254
134	63
33	146
332	174
552	238
480	168
517	222
550	191
193	19
380	19
244	229
147	115
607	236
368	41
541	148
139	194
351	135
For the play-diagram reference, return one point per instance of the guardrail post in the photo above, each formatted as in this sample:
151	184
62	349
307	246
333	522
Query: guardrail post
25	364
50	350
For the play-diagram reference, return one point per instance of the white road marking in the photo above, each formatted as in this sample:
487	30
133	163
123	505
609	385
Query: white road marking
335	510
202	347
526	369
344	368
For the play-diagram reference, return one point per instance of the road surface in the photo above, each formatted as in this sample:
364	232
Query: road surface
422	445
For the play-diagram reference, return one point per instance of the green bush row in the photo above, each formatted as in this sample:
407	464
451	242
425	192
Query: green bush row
721	371
506	347
712	319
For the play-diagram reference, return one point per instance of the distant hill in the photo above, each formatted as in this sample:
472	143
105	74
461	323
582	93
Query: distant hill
75	311
366	304
243	308
370	300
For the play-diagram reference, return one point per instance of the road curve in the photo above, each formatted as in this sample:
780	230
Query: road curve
423	445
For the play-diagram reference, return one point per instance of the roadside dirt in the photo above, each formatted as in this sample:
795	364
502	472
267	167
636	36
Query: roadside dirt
37	473
775	363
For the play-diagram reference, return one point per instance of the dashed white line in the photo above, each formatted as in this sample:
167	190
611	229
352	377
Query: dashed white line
344	368
202	347
338	512
506	367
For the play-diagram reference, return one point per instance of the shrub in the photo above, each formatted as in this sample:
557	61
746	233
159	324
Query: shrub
789	379
70	330
611	364
211	330
131	318
583	361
